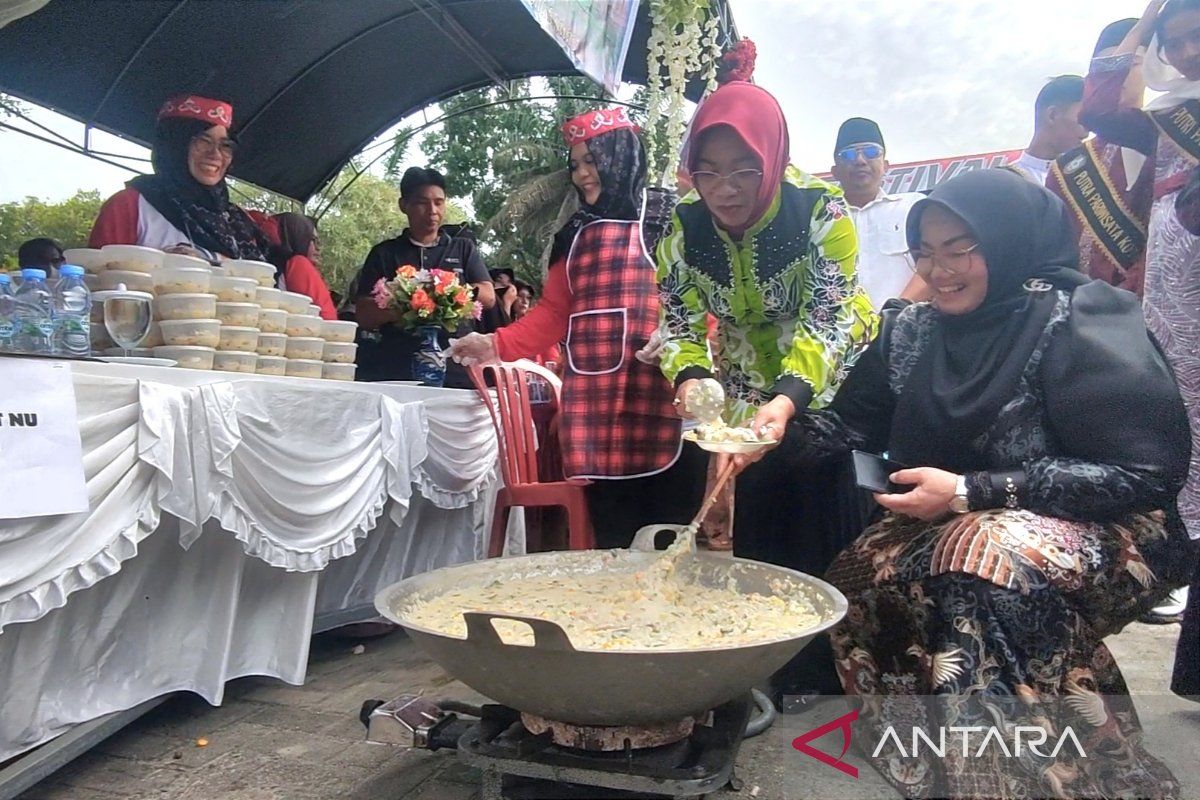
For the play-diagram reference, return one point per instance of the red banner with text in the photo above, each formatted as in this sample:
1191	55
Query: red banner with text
922	176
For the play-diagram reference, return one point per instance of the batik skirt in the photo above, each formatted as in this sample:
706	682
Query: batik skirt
997	618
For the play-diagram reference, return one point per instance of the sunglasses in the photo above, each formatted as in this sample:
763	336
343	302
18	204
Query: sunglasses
867	151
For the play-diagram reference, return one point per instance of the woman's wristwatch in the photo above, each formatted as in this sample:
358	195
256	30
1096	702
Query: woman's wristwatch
958	503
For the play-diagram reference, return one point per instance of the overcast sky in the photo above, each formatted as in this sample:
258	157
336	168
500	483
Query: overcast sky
942	78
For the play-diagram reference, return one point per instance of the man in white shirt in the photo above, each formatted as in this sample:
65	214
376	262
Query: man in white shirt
1056	127
859	164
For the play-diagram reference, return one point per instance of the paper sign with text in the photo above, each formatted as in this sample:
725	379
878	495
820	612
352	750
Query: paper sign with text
41	458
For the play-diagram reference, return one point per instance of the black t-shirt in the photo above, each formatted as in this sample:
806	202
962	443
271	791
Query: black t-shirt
387	356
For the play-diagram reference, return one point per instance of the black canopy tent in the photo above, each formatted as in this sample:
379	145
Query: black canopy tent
311	81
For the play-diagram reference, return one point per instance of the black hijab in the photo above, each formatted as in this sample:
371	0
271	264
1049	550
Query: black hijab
621	164
974	361
203	213
1108	392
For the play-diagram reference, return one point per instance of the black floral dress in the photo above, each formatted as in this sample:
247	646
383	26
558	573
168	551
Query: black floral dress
999	614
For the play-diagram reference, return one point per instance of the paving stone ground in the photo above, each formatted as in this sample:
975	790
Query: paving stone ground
271	741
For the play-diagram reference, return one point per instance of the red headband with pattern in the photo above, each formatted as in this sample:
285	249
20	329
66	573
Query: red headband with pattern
193	106
594	123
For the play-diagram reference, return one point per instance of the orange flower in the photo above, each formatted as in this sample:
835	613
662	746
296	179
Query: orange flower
461	297
443	278
407	271
421	301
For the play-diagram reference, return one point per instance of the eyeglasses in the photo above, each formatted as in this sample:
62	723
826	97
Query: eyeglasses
743	180
956	262
867	151
224	147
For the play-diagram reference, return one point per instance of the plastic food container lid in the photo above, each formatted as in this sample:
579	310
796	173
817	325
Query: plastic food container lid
123	292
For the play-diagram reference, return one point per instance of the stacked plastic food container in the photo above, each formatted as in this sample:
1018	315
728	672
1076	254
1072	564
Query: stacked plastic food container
229	318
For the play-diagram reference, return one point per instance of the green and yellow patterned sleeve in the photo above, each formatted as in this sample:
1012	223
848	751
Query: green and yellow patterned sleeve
837	320
682	316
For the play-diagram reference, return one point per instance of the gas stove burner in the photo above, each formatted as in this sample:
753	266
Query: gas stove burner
609	738
519	763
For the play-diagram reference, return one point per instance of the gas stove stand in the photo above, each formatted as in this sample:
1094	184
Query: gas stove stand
519	765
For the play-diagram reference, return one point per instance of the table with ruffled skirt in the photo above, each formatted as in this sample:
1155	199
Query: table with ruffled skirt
227	513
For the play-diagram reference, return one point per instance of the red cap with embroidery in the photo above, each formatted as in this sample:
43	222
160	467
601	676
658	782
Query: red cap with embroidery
193	106
594	123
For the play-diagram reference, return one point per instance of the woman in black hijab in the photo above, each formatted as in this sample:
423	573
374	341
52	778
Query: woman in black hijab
184	205
1046	442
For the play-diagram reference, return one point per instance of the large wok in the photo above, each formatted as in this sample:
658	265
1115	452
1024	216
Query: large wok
614	687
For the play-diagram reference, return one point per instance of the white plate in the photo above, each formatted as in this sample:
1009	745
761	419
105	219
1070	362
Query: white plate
139	361
735	448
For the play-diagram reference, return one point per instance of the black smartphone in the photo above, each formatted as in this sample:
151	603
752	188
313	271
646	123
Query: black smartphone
871	473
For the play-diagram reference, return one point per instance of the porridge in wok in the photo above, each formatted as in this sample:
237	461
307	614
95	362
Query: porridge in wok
658	607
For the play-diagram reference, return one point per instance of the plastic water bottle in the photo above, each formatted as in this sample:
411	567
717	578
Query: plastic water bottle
34	314
8	307
72	313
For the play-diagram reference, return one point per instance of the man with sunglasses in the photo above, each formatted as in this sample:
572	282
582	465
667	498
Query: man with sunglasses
859	164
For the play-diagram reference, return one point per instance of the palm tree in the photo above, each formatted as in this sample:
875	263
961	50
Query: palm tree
539	201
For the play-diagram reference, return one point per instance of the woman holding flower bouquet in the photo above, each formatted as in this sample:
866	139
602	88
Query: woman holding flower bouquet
617	424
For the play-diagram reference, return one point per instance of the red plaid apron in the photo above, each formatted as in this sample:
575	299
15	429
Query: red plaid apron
617	417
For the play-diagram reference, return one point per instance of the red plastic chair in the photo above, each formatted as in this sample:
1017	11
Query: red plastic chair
513	420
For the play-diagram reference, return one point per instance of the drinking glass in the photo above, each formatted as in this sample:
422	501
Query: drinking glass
127	320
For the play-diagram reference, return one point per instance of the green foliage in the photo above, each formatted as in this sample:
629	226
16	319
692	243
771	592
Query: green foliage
68	222
394	164
654	131
509	160
365	214
247	195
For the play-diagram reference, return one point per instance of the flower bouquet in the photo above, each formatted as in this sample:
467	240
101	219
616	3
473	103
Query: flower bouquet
432	297
428	301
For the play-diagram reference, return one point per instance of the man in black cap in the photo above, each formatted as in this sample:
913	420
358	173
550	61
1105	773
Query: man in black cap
859	164
1056	127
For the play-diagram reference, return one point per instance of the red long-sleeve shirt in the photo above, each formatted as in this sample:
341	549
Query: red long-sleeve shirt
117	222
300	275
546	323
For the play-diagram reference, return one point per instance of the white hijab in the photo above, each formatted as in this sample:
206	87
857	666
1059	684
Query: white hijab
1162	77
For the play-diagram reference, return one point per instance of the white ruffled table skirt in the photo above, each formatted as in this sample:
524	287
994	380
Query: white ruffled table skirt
225	513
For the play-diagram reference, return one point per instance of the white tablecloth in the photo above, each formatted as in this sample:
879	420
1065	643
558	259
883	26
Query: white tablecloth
224	514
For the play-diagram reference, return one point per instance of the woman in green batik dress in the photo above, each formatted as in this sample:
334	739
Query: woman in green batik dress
769	251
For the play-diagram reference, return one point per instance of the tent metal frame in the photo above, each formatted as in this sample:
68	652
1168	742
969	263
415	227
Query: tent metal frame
325	203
